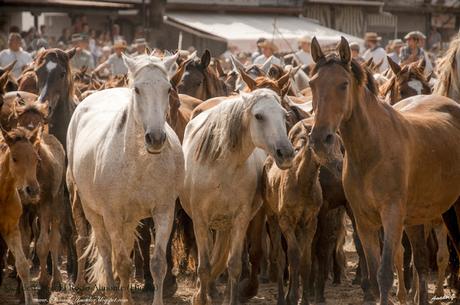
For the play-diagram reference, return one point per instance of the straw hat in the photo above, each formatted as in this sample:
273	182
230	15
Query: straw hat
413	34
372	36
119	44
397	43
269	45
354	46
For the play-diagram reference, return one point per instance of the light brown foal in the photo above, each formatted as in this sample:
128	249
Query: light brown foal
401	168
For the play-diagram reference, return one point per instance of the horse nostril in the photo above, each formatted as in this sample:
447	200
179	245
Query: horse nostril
148	138
329	138
279	153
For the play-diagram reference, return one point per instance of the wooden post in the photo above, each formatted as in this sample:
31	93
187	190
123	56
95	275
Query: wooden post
156	12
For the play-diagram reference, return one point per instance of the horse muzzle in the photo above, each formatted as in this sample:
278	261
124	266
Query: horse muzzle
155	141
284	155
31	193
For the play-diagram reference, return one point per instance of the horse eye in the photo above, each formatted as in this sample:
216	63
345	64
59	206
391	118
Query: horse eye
15	160
136	90
259	117
62	74
343	86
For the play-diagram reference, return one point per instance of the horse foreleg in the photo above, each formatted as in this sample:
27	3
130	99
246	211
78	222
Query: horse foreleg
442	257
418	243
234	263
219	258
369	237
55	241
279	257
204	266
43	247
306	238
293	250
158	265
401	293
255	234
14	243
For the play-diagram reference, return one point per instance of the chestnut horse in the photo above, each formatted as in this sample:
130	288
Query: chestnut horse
18	170
406	81
401	168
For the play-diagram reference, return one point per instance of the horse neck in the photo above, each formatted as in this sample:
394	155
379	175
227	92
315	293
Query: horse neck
306	171
59	122
7	180
213	86
361	132
133	131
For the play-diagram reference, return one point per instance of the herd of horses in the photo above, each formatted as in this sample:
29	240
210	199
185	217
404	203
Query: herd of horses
251	171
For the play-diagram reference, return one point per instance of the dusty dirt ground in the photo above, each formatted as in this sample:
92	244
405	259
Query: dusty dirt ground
343	294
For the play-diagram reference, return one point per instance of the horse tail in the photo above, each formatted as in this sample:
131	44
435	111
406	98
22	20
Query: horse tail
96	272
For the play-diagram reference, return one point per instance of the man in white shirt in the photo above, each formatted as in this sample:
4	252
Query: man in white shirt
115	61
268	49
374	50
15	52
303	55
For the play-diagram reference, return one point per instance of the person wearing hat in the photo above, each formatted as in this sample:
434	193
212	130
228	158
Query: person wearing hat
115	61
15	52
82	57
396	46
141	46
268	49
413	52
375	51
303	55
257	53
354	48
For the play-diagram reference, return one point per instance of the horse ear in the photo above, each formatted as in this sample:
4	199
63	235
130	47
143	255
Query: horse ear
394	66
284	79
9	67
147	50
6	136
70	53
344	50
175	80
236	64
316	52
219	69
294	70
422	64
205	59
129	62
170	61
369	62
3	80
377	66
267	64
34	136
252	85
285	89
43	108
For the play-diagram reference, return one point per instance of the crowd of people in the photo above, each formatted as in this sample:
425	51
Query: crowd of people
100	51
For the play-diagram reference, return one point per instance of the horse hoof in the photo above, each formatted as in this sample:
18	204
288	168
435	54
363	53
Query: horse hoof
43	294
247	290
148	286
170	288
196	300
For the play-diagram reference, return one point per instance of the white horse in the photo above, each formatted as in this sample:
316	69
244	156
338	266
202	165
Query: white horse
127	164
223	168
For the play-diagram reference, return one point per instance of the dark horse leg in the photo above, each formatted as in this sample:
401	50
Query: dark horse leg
249	286
417	239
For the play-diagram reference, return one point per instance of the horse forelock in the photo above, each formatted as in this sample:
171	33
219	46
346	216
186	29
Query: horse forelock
146	62
363	76
225	125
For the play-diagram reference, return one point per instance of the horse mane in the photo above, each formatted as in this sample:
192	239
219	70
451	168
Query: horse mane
445	67
61	57
225	125
362	75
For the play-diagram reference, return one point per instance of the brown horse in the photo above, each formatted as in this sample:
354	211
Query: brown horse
18	170
401	168
30	114
406	81
11	84
293	199
55	86
200	80
28	81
